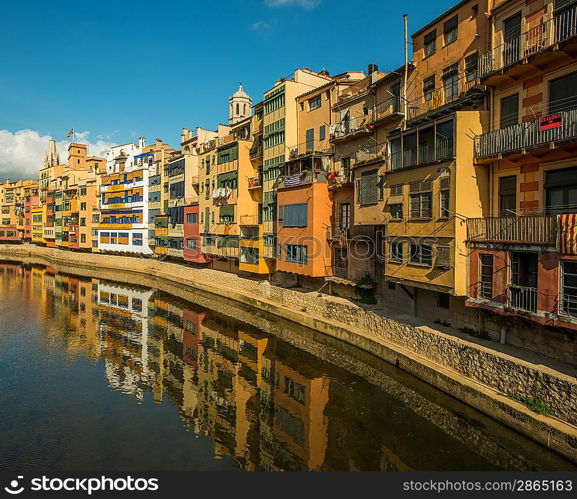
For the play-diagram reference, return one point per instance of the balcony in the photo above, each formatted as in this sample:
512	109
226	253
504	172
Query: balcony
254	183
249	220
453	93
194	180
528	135
303	178
527	229
547	35
352	127
388	110
354	90
523	298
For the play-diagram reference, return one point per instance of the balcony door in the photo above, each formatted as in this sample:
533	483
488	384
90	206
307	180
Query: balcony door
561	191
507	196
509	111
523	290
512	37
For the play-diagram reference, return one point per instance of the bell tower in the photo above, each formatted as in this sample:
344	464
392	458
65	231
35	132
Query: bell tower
239	106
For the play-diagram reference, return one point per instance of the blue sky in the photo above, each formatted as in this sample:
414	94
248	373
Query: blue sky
121	69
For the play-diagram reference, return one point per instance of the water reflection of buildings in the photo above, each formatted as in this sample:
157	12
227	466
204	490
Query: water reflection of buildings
261	401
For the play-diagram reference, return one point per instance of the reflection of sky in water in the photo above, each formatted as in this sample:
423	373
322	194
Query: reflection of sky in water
100	376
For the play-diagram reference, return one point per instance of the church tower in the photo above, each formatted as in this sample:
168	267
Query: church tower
240	106
51	157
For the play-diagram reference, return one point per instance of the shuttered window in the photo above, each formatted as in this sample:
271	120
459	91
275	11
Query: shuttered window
293	215
430	42
368	188
443	256
228	154
450	28
229	180
563	93
226	214
420	199
509	110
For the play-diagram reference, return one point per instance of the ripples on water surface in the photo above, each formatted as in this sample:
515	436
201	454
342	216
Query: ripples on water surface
97	375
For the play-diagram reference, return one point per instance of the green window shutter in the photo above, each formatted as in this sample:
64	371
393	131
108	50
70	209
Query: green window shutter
368	190
281	214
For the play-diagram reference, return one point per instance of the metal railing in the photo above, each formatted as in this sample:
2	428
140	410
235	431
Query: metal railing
522	298
568	305
526	135
255	183
358	124
424	153
526	229
389	108
559	28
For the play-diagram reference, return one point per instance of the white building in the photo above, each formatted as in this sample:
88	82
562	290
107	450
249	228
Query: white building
124	199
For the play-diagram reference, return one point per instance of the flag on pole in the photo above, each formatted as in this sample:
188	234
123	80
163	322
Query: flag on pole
71	133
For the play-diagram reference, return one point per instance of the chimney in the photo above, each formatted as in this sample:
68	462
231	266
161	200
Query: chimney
373	67
141	142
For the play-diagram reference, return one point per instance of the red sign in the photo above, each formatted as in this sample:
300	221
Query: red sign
551	121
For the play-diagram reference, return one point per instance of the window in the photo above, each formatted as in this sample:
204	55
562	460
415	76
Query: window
420	198
310	139
136	239
249	255
421	254
192	244
509	111
563	93
396	251
296	253
396	211
82	206
561	191
472	66
430	43
226	214
451	82
344	216
322	132
429	87
444	194
83	222
451	30
486	277
82	238
229	180
314	103
443	259
367	188
569	287
293	215
507	196
192	218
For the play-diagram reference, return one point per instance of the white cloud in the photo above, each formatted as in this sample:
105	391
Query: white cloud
22	152
260	25
305	4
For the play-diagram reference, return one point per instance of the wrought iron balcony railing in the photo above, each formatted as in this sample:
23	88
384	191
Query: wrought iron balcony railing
561	27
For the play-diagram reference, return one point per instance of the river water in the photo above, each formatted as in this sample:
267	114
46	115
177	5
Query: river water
97	375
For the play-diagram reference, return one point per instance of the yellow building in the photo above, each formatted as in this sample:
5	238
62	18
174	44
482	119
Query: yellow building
432	185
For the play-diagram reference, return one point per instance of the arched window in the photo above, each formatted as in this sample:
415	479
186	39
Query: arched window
237	109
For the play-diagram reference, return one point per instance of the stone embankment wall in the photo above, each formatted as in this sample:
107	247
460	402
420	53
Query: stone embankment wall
474	373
